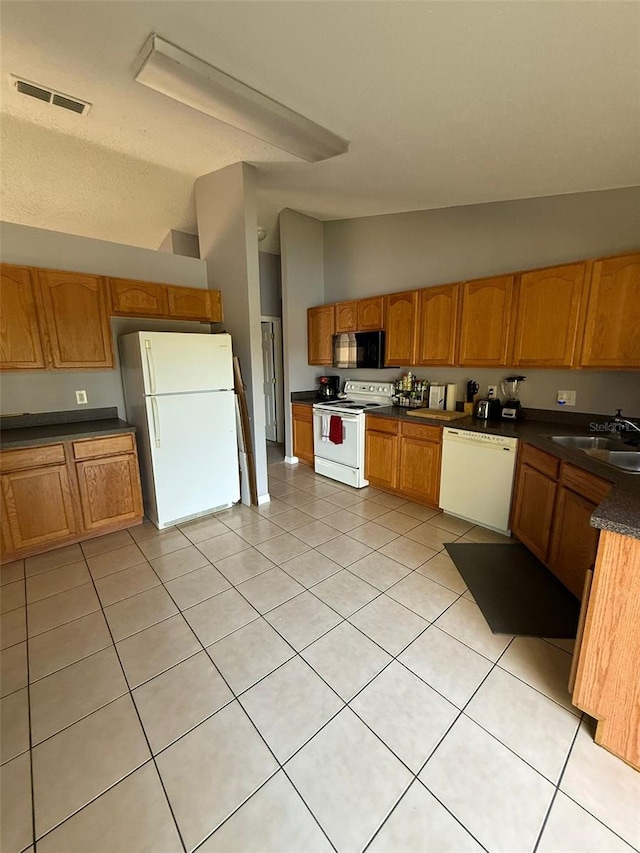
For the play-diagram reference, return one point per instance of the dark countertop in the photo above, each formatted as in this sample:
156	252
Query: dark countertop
46	427
618	512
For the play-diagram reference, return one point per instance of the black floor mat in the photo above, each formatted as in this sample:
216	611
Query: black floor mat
515	592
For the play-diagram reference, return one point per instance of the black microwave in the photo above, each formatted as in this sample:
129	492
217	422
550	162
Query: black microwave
359	349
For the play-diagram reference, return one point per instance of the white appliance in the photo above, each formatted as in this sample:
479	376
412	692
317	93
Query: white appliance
345	462
476	479
179	395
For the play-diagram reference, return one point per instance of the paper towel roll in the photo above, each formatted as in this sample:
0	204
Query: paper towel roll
452	396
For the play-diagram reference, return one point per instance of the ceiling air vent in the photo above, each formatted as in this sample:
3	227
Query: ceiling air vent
57	99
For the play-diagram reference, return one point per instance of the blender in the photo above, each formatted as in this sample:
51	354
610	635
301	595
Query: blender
511	389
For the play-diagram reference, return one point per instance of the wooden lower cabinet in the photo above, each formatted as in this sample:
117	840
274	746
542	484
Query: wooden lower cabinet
420	458
302	421
574	542
37	508
607	685
404	458
381	458
109	491
552	512
533	510
49	500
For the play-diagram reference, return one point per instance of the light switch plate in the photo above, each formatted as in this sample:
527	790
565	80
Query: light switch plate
81	398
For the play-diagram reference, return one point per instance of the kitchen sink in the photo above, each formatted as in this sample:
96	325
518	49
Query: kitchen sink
611	450
625	461
588	442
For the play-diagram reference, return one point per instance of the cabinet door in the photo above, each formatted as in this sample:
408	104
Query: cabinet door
109	490
401	328
20	344
420	469
194	303
346	314
573	542
533	510
548	310
37	507
371	314
138	298
612	329
381	459
320	328
486	321
76	321
303	433
437	325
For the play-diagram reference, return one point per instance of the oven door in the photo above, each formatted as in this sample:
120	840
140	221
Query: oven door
348	453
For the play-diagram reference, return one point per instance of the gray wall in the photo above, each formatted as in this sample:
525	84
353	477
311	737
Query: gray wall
37	247
301	252
382	254
270	285
227	212
54	390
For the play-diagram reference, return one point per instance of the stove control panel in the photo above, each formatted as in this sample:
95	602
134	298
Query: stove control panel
366	389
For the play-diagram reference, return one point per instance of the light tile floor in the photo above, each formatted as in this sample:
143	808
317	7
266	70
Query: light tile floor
309	675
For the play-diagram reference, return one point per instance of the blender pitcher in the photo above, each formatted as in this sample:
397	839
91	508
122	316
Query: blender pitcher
511	390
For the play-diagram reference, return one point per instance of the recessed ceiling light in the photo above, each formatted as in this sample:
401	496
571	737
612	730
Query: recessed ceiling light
50	96
172	71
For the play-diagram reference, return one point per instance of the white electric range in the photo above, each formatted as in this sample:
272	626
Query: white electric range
345	462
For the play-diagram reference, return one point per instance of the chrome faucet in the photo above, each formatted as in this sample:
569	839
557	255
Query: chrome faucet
620	420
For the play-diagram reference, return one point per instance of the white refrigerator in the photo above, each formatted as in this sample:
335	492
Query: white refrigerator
179	395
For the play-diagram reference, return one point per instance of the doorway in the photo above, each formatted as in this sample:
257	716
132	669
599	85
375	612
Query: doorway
273	378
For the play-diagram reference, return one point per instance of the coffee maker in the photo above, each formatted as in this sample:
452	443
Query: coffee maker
329	387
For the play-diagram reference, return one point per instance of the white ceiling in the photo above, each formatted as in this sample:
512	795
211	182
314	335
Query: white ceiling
445	103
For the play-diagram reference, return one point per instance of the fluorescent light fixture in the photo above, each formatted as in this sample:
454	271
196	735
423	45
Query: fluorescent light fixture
179	75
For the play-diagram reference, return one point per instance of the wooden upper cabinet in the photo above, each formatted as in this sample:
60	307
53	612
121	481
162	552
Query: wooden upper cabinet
74	310
142	298
612	328
320	330
401	311
20	343
437	325
371	314
346	317
485	324
547	316
194	303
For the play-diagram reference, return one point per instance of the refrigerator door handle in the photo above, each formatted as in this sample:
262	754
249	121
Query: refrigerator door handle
150	367
156	421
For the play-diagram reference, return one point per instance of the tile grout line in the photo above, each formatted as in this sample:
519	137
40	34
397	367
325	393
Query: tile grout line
33	798
151	755
236	699
296	653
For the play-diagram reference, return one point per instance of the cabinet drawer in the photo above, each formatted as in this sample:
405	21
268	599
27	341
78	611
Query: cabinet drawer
428	433
302	413
541	461
94	447
588	485
383	425
32	457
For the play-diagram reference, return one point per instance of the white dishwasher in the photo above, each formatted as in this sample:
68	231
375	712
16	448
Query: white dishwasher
476	480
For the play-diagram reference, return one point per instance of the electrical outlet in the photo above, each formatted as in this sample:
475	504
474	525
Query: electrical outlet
566	398
492	390
81	398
